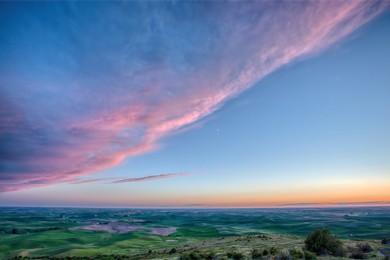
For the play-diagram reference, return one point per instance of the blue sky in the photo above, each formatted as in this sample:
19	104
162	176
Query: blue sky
190	109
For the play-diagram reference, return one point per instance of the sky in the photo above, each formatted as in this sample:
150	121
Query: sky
194	103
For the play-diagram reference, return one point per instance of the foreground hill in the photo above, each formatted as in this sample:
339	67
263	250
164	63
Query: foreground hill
270	246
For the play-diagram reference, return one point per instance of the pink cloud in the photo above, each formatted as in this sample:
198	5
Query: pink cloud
153	177
88	180
96	121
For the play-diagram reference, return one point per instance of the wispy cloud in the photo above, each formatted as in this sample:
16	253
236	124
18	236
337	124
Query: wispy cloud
153	177
121	180
368	203
84	86
89	180
343	204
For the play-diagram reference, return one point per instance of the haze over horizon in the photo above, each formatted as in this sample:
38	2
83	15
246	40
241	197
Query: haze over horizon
195	104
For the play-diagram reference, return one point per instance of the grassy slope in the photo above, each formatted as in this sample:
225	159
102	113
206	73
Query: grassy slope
245	244
138	245
90	243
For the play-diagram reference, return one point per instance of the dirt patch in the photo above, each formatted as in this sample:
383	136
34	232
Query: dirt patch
163	231
112	227
120	227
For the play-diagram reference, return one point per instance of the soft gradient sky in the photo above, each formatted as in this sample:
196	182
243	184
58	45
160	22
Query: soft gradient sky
182	104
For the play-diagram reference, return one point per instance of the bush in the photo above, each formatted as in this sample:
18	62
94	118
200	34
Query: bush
191	256
235	255
322	242
195	256
185	257
296	254
265	252
384	241
359	255
172	251
209	256
309	255
365	248
283	256
273	250
256	254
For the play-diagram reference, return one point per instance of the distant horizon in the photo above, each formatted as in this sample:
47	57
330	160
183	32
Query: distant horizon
162	207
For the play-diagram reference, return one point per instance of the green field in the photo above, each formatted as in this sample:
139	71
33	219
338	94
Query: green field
49	232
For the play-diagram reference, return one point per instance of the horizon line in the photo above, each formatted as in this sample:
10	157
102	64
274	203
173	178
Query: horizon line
207	208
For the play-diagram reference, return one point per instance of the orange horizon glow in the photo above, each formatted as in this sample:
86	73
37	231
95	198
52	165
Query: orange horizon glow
358	193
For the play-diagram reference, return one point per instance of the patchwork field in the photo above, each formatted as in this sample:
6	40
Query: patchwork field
174	233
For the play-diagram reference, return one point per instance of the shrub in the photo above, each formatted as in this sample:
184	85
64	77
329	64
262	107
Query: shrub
322	242
209	256
235	255
384	241
185	257
265	252
283	256
365	248
273	250
256	254
296	254
195	255
190	256
309	255
172	251
359	255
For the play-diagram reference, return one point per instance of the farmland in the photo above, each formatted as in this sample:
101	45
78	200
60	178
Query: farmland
153	233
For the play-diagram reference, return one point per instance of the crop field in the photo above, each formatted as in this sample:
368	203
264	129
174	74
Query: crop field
61	232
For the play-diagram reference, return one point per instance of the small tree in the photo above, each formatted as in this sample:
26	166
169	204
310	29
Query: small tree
322	242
